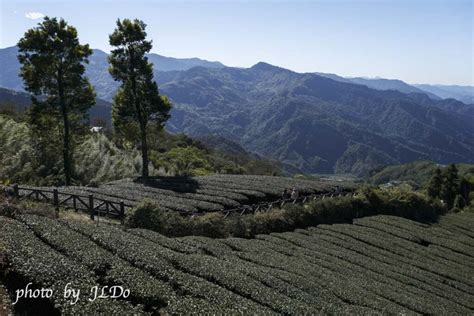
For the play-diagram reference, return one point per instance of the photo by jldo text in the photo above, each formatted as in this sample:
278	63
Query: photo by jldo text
73	294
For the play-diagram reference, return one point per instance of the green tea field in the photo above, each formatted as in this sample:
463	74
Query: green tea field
377	265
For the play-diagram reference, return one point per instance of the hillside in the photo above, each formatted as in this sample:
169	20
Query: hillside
199	195
96	70
390	84
18	102
381	84
101	158
418	172
306	121
464	94
315	123
379	264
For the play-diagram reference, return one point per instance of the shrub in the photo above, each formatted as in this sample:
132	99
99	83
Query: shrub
149	216
471	197
8	209
209	225
370	201
459	202
267	222
469	208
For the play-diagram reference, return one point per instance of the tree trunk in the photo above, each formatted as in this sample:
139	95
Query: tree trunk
66	149
143	123
144	151
66	139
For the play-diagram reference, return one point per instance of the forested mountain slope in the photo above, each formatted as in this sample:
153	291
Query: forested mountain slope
315	123
308	121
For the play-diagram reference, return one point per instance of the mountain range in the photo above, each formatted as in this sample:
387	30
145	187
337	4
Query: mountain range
318	123
381	84
462	93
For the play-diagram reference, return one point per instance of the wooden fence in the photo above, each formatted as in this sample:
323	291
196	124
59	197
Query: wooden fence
100	207
266	206
94	206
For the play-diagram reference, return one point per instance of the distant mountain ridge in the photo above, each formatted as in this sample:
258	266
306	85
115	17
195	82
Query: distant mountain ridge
18	101
97	70
464	94
378	83
315	123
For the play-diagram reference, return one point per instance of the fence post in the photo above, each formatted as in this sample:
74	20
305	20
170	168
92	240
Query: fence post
16	191
122	212
74	203
91	206
56	202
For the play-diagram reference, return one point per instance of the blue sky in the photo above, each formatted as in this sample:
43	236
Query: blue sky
415	41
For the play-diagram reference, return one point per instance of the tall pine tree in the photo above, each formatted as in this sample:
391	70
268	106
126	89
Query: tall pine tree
435	184
52	67
450	185
137	103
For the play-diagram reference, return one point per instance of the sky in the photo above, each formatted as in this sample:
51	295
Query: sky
414	41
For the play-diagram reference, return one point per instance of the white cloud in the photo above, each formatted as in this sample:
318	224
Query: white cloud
34	15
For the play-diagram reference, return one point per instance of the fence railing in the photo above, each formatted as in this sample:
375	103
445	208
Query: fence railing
93	205
101	207
266	206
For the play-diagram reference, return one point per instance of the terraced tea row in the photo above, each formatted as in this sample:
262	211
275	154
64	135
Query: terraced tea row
191	195
379	264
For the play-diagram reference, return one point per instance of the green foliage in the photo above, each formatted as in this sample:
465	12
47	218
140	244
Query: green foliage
435	184
378	264
184	161
450	185
179	269
370	201
9	109
459	202
419	172
17	160
53	71
336	210
469	208
466	186
442	183
99	160
209	225
146	290
148	215
51	270
137	102
27	158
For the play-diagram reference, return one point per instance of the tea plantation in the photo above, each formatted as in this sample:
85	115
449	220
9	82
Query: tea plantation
202	194
377	265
